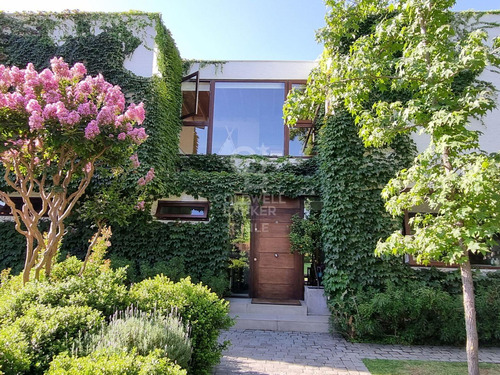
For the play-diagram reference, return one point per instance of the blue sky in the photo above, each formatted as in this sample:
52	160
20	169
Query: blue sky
229	29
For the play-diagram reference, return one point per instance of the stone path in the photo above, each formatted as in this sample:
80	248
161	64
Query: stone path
288	353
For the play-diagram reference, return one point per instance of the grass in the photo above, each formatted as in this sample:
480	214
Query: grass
390	367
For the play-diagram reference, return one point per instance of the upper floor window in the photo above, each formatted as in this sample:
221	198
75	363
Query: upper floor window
248	118
240	117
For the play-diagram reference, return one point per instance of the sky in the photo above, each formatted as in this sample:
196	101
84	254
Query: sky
228	29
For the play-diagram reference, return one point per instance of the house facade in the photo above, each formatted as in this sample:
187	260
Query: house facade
230	173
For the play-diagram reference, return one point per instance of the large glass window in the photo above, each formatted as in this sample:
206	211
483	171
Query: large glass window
18	201
248	118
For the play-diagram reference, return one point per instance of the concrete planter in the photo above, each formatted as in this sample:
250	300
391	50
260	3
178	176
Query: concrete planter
315	300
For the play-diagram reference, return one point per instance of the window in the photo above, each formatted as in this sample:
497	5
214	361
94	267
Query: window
195	114
240	117
172	210
301	141
193	140
490	259
248	118
6	211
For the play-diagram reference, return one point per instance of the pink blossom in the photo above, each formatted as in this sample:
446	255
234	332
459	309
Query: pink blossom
87	168
72	118
140	206
16	76
92	130
35	121
62	112
87	109
136	112
60	68
122	136
33	106
49	81
51	96
119	121
14	100
78	70
50	111
138	135
114	97
135	161
106	115
150	175
148	178
85	87
31	76
36	160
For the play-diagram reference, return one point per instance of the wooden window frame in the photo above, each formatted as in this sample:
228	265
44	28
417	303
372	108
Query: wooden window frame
183	217
197	92
210	123
412	262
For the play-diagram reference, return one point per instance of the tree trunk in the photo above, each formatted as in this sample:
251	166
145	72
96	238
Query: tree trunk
470	318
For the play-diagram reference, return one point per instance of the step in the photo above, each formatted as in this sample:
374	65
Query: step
280	322
245	306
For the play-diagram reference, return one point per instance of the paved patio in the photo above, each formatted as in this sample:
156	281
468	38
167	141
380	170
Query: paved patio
256	352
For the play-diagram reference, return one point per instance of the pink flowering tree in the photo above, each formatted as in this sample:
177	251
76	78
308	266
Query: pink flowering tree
57	127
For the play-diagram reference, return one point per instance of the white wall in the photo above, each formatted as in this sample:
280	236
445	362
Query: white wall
142	62
490	139
255	70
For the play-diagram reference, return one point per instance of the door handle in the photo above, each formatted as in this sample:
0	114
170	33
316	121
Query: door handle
276	255
255	259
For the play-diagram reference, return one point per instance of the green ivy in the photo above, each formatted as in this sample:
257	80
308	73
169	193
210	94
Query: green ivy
353	215
202	249
29	37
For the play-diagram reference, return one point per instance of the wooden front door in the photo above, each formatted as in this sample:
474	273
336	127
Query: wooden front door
275	273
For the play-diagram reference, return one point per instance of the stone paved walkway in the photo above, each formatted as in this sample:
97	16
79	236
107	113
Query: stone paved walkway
288	353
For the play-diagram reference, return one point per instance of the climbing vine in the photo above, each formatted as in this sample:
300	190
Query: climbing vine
103	41
353	215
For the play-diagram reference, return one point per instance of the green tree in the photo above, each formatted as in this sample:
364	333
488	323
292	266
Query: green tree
411	66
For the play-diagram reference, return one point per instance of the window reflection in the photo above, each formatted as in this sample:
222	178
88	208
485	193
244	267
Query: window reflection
193	140
301	141
248	118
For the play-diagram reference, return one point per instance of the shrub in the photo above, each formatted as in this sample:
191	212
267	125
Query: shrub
101	288
174	269
425	308
195	303
488	309
114	363
410	314
51	330
14	357
136	330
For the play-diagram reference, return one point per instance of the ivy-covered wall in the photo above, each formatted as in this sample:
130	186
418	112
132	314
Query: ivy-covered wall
200	249
349	177
353	215
103	42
